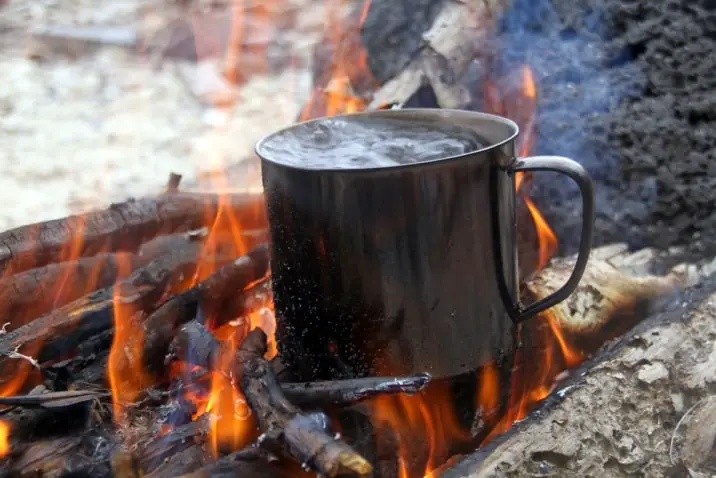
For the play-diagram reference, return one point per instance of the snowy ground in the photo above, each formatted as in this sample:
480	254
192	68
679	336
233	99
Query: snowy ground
80	131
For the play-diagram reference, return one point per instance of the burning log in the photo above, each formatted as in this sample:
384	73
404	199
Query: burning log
176	441
124	226
305	437
630	403
59	332
241	463
194	344
349	392
605	296
443	54
161	326
34	292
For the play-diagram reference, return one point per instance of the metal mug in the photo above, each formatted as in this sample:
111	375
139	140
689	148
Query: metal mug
407	268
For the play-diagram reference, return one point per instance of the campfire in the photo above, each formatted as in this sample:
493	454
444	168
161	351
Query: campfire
140	339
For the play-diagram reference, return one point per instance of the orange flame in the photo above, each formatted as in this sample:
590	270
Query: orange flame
232	426
4	438
348	67
425	426
533	377
127	376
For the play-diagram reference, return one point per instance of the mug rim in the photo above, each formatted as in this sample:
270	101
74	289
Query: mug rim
432	112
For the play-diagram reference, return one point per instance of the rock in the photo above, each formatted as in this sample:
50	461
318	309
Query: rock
653	373
696	437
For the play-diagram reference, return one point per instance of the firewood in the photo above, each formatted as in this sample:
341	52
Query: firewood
34	292
603	293
447	49
57	333
626	404
181	462
241	463
350	392
175	441
304	437
230	279
239	305
123	226
44	458
53	399
194	344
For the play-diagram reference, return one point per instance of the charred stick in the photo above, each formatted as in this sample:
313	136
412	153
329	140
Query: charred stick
246	462
176	441
194	344
304	437
249	300
123	226
209	294
53	335
349	392
34	292
31	293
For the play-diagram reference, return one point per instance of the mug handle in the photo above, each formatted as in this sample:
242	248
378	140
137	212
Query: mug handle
575	171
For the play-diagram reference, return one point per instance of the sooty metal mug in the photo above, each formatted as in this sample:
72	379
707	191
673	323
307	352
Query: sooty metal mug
407	268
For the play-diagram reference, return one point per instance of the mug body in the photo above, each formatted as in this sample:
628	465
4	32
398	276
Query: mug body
400	269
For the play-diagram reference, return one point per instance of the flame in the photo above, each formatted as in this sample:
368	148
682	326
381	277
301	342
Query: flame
232	426
425	427
348	67
533	377
4	438
68	278
125	370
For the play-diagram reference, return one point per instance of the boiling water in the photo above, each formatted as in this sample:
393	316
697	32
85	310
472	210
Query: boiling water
368	142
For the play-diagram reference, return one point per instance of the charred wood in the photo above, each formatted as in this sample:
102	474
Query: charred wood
31	293
209	294
123	226
349	392
240	305
442	56
56	400
44	458
659	368
176	441
241	463
304	437
182	462
54	335
194	344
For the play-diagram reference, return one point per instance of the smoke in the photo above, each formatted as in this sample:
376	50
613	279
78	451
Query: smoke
582	74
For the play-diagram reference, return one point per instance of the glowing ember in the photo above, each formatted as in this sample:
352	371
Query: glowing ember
4	438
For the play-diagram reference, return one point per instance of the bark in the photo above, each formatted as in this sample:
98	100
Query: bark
643	405
446	50
194	344
304	437
349	392
124	226
31	293
241	463
53	335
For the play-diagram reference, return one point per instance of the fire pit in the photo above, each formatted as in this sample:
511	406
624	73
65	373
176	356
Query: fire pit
141	339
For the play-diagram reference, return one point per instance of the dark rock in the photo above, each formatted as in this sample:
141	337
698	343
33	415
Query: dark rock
626	87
